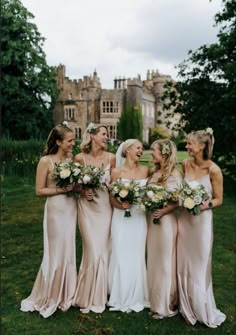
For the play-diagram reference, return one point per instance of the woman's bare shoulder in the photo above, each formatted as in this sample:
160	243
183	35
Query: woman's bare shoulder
116	173
79	158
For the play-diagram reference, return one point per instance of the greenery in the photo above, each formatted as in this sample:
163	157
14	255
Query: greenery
22	250
130	124
205	95
28	84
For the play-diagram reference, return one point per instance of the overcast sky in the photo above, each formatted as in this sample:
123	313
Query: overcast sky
123	37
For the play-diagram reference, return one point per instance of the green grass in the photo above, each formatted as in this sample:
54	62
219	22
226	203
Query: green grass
146	158
22	250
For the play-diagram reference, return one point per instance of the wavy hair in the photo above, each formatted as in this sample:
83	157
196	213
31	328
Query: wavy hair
169	153
86	143
57	133
203	137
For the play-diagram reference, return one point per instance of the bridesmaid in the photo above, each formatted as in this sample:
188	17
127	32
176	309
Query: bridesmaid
162	237
195	239
55	284
94	218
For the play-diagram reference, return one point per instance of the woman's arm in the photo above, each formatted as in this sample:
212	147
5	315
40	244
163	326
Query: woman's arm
217	188
158	213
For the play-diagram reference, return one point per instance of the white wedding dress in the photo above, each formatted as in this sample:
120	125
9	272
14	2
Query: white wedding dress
127	269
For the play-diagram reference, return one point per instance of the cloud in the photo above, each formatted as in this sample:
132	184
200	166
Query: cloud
122	38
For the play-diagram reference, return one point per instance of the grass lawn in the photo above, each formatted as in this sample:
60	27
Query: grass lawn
22	250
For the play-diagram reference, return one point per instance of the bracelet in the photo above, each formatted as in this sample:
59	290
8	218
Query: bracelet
210	204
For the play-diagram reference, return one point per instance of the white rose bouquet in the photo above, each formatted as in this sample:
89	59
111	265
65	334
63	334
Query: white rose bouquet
155	197
66	173
91	177
192	197
129	191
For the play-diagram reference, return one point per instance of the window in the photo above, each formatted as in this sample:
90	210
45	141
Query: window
78	133
69	113
110	107
112	131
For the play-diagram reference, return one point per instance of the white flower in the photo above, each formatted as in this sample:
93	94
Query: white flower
123	193
165	150
64	173
126	185
189	203
150	194
65	124
76	171
86	179
197	199
209	131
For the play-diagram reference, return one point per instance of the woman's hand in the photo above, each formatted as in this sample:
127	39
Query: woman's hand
125	205
89	194
206	205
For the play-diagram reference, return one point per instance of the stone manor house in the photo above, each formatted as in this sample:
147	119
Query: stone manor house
83	101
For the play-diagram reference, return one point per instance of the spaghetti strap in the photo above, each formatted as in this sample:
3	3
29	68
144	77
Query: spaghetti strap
185	166
109	158
51	161
84	160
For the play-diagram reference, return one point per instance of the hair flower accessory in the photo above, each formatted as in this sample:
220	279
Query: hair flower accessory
91	129
209	131
65	124
165	149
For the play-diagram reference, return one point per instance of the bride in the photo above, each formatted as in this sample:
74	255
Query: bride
127	269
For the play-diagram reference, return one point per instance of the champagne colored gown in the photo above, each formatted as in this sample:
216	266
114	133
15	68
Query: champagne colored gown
194	256
161	259
127	268
94	218
55	283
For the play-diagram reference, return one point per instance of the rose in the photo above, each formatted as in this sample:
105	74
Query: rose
197	199
86	179
123	193
64	173
189	203
76	172
150	194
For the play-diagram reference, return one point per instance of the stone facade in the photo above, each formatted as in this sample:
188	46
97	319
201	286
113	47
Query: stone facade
83	101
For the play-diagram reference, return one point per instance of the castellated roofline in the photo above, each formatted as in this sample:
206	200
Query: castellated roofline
87	81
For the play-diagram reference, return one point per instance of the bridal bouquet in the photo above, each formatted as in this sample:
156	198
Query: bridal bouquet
66	173
155	197
126	191
91	177
192	197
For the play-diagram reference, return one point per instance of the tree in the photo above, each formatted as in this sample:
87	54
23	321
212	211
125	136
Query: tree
205	96
28	85
130	124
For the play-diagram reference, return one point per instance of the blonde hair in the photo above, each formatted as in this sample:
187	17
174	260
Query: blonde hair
57	133
168	151
203	137
127	144
86	143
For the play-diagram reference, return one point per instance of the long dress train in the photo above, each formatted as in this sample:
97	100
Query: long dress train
94	218
194	256
127	270
55	283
